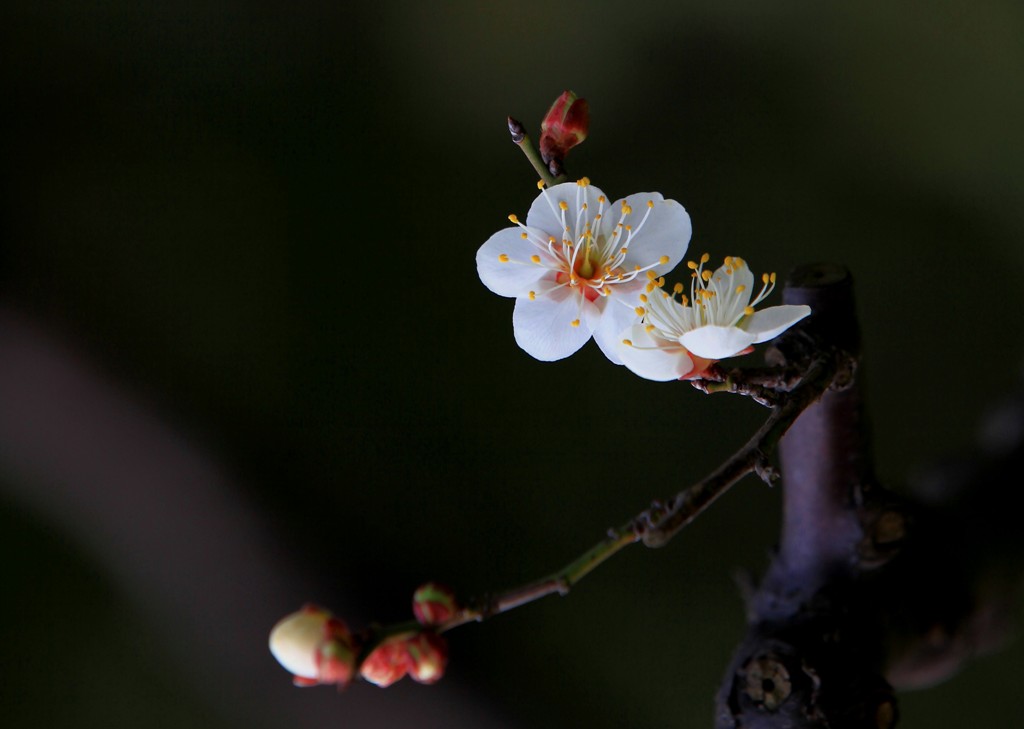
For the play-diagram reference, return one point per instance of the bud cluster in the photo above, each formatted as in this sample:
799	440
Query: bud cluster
318	648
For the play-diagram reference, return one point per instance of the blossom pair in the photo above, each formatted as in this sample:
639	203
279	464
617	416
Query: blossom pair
581	267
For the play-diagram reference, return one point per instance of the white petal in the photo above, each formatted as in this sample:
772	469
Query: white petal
771	322
715	342
543	327
616	316
652	357
666	231
544	212
519	275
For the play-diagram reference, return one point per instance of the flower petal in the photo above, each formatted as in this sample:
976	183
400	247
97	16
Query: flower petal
666	232
771	322
616	315
716	342
543	327
515	276
545	214
651	357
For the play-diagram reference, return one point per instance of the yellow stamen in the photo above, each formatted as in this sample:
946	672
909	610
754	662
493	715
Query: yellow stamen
740	289
540	184
512	218
563	205
626	209
706	275
503	258
705	258
643	298
651	275
663	260
640	311
523	235
532	295
748	310
575	322
627	342
677	289
535	258
650	203
692	265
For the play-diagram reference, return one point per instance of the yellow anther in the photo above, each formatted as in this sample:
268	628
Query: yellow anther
503	258
685	301
575	322
523	235
623	251
728	260
665	295
640	311
649	328
628	227
661	282
748	310
627	342
602	199
598	216
651	275
540	184
626	209
650	203
532	295
740	289
773	278
583	181
765	278
562	204
705	258
677	289
692	265
663	260
650	287
584	206
535	258
643	298
513	219
706	275
551	239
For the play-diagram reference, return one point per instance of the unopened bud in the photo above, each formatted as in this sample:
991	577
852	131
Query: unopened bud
564	126
434	603
428	654
315	646
387	663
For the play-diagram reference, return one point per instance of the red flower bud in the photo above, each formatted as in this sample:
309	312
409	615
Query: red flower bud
564	126
434	603
315	646
387	663
428	653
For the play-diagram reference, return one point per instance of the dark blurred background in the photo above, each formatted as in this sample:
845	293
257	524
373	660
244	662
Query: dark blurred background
246	362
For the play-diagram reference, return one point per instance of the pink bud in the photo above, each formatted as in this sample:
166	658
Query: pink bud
428	653
564	126
387	663
315	646
434	603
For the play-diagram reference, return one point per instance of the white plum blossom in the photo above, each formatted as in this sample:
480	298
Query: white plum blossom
579	263
682	338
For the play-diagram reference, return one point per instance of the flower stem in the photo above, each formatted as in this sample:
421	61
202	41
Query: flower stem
522	140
